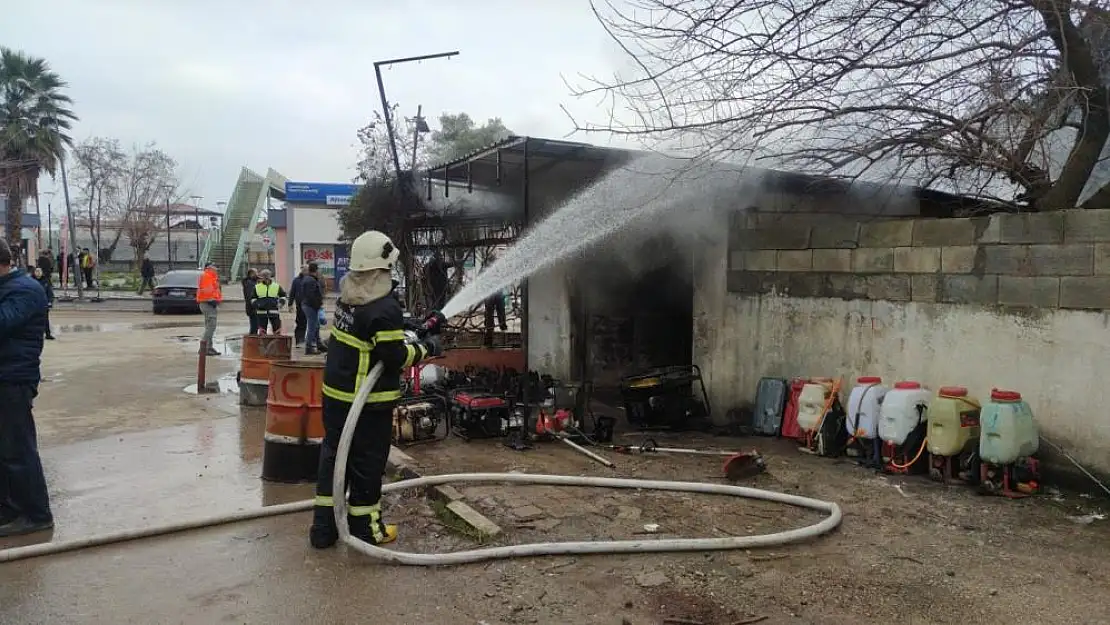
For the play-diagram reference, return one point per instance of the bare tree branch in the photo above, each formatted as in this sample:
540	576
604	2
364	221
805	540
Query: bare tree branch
972	96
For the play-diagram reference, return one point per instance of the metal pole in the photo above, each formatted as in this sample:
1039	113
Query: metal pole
49	227
169	256
415	139
388	121
385	103
196	225
69	220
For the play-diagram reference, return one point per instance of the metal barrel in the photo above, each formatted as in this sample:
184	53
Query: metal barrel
294	421
258	351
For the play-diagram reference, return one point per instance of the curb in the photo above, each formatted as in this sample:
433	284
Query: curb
408	468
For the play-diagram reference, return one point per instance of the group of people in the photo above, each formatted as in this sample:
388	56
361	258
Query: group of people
84	261
265	298
24	323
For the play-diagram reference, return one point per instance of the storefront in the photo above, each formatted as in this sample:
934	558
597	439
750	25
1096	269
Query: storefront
311	230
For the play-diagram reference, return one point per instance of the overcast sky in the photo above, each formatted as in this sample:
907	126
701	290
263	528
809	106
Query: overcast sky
285	84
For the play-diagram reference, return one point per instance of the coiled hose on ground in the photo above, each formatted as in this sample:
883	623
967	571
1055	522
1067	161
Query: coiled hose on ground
826	525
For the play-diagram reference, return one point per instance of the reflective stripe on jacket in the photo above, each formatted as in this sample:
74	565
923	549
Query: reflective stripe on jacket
362	336
266	296
208	287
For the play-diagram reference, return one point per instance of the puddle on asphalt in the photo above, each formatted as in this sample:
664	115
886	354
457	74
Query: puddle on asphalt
224	385
230	347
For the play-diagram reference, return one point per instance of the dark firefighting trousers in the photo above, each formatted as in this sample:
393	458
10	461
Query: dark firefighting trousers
365	467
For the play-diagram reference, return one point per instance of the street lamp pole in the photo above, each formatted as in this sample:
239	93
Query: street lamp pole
385	103
196	225
49	221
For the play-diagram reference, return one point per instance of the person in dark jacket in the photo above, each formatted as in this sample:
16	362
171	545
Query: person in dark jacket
312	301
369	330
248	296
71	265
301	325
146	272
43	278
268	299
46	263
435	276
24	500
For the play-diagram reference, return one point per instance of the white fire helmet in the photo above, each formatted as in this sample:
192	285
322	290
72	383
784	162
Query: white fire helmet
373	250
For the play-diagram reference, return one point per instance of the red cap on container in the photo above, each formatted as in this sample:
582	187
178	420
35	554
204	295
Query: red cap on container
907	386
869	379
998	394
952	391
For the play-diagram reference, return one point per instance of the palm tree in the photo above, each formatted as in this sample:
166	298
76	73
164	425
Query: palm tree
34	118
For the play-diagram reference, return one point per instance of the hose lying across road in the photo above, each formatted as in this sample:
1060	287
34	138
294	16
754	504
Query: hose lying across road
826	525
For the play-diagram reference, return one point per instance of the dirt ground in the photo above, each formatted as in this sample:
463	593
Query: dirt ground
125	446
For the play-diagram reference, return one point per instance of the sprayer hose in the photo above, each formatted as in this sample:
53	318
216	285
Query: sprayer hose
829	523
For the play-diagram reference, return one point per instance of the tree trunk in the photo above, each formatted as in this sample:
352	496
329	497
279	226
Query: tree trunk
13	229
1078	59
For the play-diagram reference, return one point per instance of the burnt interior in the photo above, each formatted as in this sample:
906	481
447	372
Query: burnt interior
632	310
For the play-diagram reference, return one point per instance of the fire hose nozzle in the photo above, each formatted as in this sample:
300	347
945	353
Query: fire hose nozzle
433	324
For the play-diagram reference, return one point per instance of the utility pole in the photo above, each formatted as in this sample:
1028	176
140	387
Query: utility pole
169	256
49	221
69	220
385	103
196	218
416	130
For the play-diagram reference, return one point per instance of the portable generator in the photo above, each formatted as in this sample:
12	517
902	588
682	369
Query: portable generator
665	398
479	414
1015	481
419	420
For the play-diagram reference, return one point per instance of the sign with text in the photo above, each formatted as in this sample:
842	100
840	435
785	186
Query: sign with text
323	254
323	193
342	262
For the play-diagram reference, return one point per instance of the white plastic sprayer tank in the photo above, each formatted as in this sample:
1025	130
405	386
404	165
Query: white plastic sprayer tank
904	408
812	403
864	405
1009	431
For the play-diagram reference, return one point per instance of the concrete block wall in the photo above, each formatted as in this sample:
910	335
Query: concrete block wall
1029	260
1016	301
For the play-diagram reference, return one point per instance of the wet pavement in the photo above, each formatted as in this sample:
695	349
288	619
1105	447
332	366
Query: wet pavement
126	446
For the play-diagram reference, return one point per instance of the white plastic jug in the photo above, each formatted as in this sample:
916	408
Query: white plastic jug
864	404
811	404
904	408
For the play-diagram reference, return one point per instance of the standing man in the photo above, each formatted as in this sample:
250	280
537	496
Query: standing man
267	302
209	297
435	276
24	501
295	299
312	302
88	263
369	329
46	263
248	296
146	272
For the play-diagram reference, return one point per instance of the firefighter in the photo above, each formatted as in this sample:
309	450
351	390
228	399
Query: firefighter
368	329
268	300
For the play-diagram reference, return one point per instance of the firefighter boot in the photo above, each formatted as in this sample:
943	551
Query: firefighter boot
371	529
323	533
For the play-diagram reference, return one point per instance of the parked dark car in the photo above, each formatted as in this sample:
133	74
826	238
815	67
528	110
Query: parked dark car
177	292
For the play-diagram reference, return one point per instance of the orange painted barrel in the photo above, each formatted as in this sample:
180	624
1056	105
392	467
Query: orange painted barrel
294	421
258	351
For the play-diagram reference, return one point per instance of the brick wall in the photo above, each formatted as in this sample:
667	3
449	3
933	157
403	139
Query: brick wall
1043	260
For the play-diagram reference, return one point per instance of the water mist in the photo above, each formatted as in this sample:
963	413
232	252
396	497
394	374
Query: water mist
649	193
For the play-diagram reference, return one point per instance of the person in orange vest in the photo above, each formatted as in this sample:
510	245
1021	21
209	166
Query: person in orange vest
209	297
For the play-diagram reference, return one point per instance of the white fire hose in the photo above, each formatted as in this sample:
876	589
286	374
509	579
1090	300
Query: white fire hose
824	526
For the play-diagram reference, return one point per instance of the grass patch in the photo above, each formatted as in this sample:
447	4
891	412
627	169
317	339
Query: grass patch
456	525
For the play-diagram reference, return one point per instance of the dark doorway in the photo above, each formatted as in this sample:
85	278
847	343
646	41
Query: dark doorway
633	310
